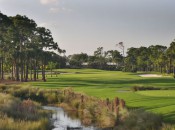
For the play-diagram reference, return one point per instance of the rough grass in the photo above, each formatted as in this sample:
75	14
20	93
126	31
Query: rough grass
99	112
110	84
7	123
140	120
21	115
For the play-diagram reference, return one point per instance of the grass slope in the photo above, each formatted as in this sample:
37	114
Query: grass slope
110	84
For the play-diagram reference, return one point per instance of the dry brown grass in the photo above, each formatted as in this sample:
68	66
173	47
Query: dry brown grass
21	115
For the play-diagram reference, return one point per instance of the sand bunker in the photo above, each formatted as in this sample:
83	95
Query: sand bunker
150	75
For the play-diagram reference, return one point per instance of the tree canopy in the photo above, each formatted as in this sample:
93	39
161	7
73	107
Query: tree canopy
24	46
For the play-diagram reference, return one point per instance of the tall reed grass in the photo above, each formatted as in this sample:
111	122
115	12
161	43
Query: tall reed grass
22	115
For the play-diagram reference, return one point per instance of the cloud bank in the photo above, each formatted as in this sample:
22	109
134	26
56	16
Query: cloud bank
45	2
54	10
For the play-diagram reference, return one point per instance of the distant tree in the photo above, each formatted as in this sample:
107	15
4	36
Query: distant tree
51	66
114	56
171	57
156	55
100	61
99	52
76	60
131	59
142	58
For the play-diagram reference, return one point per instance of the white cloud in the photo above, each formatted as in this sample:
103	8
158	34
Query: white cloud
61	9
54	10
45	2
43	24
49	24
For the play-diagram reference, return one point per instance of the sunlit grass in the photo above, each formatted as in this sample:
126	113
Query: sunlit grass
158	93
109	84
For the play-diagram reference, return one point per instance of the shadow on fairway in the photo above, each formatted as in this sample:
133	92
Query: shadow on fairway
115	83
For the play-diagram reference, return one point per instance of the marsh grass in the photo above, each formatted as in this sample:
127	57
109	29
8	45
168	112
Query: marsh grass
168	127
141	120
22	115
7	123
93	110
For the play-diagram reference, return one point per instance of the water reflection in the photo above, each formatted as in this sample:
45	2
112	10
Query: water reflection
62	121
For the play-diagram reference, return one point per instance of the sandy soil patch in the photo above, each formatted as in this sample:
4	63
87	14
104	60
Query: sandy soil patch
150	75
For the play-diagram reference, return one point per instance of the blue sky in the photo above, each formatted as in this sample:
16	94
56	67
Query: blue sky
83	25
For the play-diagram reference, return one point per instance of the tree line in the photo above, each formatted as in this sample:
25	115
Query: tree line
25	51
25	48
153	58
107	60
156	58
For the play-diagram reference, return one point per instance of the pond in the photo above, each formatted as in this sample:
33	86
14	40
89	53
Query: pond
62	121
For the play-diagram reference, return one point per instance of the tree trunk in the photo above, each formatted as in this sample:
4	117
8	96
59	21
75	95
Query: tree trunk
161	69
35	70
170	66
12	71
2	69
44	78
51	72
31	74
174	71
17	72
22	71
31	69
27	72
43	71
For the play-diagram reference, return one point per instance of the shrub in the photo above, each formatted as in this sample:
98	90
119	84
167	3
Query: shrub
22	93
51	97
168	127
142	88
3	88
76	104
22	115
7	123
141	120
9	77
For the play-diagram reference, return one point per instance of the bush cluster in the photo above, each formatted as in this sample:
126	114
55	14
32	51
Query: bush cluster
43	96
140	120
19	115
142	88
93	110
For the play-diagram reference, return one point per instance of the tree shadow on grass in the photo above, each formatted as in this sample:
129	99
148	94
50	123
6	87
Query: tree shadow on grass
169	118
74	81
